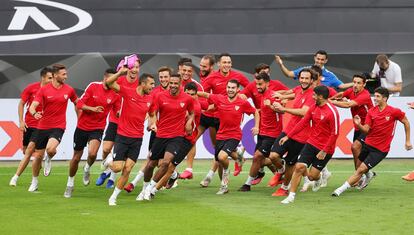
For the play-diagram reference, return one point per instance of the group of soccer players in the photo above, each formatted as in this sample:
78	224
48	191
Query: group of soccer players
180	110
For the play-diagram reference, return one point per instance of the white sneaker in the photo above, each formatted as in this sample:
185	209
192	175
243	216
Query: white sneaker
368	178
360	182
13	181
223	190
112	201
108	160
317	185
288	200
175	185
68	192
205	182
225	178
325	177
147	194
306	185
337	192
140	196
86	178
33	187
240	158
48	166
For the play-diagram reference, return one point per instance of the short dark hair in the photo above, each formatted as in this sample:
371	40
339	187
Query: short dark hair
260	67
188	64
57	67
317	69
175	75
263	76
110	71
165	68
382	91
223	55
234	81
314	75
191	86
362	76
144	77
322	52
322	90
45	70
183	60
210	58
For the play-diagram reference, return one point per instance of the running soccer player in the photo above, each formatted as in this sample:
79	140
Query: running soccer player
131	81
302	102
379	127
270	127
135	106
216	83
359	101
95	103
320	145
29	123
170	146
164	75
230	110
52	119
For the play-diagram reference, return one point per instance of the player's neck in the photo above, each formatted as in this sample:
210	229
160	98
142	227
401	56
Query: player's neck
382	106
56	84
224	74
140	91
232	99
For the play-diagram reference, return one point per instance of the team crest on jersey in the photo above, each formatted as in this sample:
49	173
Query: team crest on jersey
108	101
387	118
66	97
182	104
322	117
237	107
148	104
303	101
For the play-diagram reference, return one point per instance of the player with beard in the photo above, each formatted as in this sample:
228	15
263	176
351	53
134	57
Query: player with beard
302	100
95	103
320	145
206	67
270	127
130	80
359	101
29	123
216	83
136	104
230	111
52	119
164	75
172	107
380	124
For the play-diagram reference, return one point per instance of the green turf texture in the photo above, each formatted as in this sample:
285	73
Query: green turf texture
385	207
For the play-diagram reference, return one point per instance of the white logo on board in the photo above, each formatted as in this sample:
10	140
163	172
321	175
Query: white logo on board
24	13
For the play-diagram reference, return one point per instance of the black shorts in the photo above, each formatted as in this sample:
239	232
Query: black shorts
358	135
227	146
291	147
207	122
371	156
264	144
110	132
151	140
182	152
162	145
29	135
43	136
81	138
126	147
308	156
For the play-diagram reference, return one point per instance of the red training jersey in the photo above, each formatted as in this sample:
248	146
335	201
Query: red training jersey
230	115
122	81
172	112
185	82
27	96
270	121
55	102
382	126
364	103
324	121
96	95
135	108
251	91
196	123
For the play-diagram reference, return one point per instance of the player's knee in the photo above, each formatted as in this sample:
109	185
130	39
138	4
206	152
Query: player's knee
51	152
356	146
92	155
300	168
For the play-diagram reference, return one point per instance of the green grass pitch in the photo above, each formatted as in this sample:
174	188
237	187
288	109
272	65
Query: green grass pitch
385	207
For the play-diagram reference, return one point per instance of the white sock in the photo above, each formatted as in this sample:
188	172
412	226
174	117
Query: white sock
154	190
226	171
369	174
324	170
345	186
71	181
145	185
152	184
113	176
210	174
249	180
107	171
285	187
138	177
35	180
174	175
292	194
189	169
116	192
15	176
87	168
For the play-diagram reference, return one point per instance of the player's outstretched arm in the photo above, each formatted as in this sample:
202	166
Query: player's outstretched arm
111	80
288	73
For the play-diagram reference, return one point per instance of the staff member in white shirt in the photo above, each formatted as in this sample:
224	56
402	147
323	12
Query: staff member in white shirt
389	73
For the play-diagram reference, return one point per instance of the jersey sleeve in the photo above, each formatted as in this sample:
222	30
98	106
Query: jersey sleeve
73	97
247	91
248	108
347	93
84	97
398	76
302	123
190	104
39	95
207	84
398	114
334	131
334	81
154	104
368	118
213	99
279	86
297	71
25	95
243	80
